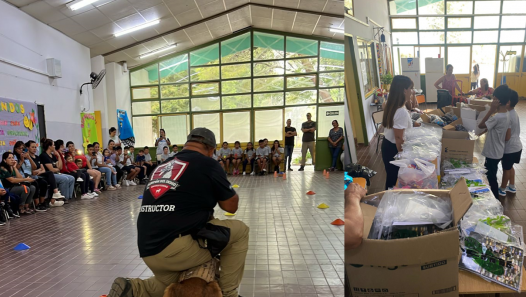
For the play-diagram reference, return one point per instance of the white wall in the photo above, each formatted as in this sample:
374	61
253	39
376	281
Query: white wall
100	99
27	41
377	11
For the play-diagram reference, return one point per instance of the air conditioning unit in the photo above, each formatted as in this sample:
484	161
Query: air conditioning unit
54	68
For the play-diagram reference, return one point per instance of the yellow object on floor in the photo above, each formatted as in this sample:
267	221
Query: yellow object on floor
235	186
229	214
323	206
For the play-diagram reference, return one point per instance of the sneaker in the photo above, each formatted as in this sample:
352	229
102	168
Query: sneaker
86	196
94	194
290	169
118	186
502	192
41	208
132	183
511	189
80	180
91	177
302	168
111	188
244	173
2	223
126	183
97	190
58	195
121	287
252	173
56	204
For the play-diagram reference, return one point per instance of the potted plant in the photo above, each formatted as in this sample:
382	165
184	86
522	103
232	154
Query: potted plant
386	80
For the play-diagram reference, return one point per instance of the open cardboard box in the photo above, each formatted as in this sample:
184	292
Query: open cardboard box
421	266
480	102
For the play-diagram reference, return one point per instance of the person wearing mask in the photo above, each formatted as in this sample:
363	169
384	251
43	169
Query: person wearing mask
160	143
335	140
290	133
308	140
52	162
448	81
395	121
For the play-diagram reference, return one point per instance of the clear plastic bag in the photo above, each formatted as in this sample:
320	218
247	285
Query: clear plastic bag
413	212
416	174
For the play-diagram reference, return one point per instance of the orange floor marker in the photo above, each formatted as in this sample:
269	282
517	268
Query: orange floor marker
327	175
275	174
311	193
324	172
338	222
284	176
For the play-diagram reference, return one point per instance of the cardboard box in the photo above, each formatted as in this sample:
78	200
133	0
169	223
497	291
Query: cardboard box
419	267
451	127
455	110
456	145
425	117
480	102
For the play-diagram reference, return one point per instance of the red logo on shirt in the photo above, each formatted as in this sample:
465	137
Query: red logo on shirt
165	177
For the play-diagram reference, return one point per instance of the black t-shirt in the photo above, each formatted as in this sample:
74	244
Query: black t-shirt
46	159
308	136
289	140
36	160
180	197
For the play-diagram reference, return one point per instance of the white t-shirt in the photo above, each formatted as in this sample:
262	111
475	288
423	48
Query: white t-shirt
115	139
514	144
496	136
121	159
262	152
401	120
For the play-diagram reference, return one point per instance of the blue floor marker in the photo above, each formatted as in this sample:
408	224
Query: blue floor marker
21	247
140	197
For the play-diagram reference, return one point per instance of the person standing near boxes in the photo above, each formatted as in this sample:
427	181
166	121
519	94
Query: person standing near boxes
499	132
512	149
308	128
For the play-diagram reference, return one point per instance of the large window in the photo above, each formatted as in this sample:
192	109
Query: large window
490	33
235	85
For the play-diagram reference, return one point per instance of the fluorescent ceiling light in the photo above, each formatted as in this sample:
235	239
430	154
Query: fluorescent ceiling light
145	25
158	51
79	4
336	30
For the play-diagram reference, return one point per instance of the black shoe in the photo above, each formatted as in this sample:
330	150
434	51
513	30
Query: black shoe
10	213
301	168
290	169
121	287
41	208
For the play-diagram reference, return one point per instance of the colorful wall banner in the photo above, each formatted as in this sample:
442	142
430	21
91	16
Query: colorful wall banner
88	124
124	128
18	122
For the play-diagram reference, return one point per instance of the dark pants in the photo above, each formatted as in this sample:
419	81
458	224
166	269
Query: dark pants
474	85
288	154
49	177
389	151
41	186
149	169
492	166
119	173
85	185
335	151
245	162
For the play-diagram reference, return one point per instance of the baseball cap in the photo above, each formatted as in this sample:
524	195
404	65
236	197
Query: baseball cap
202	135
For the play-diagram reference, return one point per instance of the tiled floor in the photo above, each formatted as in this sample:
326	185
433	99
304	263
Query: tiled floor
79	249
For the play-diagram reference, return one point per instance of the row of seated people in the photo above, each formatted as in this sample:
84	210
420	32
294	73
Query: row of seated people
264	156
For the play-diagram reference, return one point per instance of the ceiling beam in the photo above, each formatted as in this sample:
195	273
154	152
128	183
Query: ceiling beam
219	15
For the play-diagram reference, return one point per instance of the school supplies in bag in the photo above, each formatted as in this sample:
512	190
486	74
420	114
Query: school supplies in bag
416	174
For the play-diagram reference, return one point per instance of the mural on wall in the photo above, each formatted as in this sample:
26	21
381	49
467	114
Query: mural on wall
18	122
125	129
88	124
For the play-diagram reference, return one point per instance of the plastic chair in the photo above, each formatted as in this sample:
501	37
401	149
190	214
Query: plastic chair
378	117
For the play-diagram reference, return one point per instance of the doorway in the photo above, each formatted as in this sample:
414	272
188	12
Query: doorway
511	69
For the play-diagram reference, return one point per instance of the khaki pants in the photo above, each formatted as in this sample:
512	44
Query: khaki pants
304	147
184	253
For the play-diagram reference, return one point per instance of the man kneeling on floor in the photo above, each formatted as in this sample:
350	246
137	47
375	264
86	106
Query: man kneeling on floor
178	204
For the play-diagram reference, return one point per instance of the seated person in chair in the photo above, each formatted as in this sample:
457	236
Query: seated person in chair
179	200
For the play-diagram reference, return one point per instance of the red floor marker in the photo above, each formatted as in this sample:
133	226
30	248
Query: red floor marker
311	193
338	222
